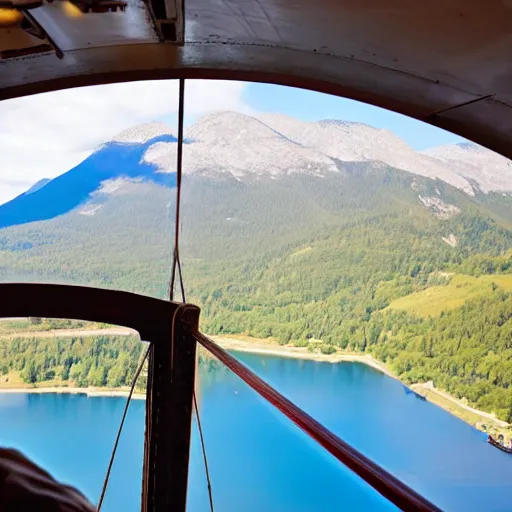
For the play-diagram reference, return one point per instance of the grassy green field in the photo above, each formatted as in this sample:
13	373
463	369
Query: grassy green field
461	288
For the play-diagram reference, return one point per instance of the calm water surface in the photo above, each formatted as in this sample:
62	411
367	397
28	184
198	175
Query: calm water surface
258	460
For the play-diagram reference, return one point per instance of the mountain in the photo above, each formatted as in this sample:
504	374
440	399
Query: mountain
484	169
121	160
240	146
250	186
120	233
295	231
359	142
143	133
36	186
244	147
277	145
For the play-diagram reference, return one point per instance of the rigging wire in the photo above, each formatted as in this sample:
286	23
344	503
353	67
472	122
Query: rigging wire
176	265
179	172
205	458
121	425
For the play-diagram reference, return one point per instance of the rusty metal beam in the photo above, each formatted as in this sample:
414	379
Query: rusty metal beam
381	480
150	317
487	122
169	416
169	327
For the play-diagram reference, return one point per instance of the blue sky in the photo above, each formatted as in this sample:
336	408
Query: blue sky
313	106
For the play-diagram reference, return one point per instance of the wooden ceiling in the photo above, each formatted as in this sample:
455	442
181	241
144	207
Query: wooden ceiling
446	62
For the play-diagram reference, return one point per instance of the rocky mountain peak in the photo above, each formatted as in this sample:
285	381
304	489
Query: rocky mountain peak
352	142
143	133
227	126
486	169
339	123
241	146
275	144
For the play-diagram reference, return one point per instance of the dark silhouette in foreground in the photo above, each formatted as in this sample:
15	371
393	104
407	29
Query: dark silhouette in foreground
26	486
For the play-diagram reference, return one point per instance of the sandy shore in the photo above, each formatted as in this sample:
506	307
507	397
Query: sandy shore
439	397
90	391
272	349
69	333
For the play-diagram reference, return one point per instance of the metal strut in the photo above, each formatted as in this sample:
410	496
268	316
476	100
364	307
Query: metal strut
176	265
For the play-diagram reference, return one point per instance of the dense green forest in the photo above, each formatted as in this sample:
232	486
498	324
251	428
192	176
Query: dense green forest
84	361
99	361
357	261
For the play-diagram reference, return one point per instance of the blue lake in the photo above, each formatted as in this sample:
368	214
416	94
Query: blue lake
258	459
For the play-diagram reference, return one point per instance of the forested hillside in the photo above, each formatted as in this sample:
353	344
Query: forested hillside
365	258
84	361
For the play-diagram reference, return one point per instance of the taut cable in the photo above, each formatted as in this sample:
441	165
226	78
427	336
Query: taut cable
176	264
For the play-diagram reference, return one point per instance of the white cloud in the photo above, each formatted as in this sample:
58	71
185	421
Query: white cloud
45	135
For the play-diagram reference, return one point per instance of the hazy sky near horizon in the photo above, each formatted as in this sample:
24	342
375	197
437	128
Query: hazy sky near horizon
45	135
314	106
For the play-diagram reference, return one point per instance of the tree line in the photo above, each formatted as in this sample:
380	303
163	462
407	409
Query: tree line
80	361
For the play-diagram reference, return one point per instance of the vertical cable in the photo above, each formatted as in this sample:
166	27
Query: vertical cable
179	173
199	427
127	405
176	264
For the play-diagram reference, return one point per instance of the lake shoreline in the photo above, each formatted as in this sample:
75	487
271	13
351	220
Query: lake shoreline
91	392
457	408
461	410
272	349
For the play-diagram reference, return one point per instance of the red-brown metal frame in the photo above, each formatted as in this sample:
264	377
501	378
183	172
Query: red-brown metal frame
171	376
382	481
173	330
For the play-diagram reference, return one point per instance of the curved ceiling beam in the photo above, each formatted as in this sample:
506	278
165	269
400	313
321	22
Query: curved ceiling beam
150	317
477	117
